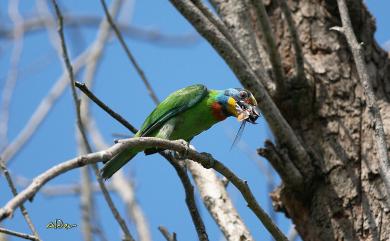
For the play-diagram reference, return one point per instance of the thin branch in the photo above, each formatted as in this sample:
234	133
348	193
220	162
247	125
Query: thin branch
217	201
22	208
107	109
129	54
70	72
166	234
81	128
361	66
12	75
126	191
240	34
204	159
190	197
299	60
114	210
281	129
154	36
274	55
283	165
18	234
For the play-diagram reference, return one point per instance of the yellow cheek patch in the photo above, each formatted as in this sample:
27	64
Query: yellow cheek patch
232	106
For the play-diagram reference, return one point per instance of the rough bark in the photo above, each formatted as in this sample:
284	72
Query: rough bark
347	199
342	196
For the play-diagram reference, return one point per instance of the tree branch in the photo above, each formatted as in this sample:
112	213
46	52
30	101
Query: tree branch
18	234
144	142
218	203
107	109
190	197
358	55
274	55
166	234
235	16
22	208
283	165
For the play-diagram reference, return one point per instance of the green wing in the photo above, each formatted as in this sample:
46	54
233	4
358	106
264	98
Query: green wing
174	104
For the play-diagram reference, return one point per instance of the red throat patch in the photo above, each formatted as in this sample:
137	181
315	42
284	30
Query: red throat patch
217	111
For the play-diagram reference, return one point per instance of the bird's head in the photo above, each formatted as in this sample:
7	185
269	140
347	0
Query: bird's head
240	103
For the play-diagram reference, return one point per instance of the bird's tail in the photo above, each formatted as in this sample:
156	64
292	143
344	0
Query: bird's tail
117	162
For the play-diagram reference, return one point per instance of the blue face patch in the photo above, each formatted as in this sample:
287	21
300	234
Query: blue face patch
236	93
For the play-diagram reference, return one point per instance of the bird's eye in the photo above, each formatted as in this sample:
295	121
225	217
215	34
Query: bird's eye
243	94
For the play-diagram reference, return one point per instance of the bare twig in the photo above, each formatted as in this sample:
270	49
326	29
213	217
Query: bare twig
70	72
126	191
281	129
358	55
144	142
114	210
81	128
129	54
154	36
12	75
166	234
18	234
284	166
107	109
274	55
217	201
240	34
299	61
22	208
190	197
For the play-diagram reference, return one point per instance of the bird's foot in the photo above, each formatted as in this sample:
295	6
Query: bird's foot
210	160
184	154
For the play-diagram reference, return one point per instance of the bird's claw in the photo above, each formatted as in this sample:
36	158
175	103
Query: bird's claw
210	160
184	154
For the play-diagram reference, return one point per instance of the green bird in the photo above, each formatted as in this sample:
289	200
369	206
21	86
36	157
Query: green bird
186	113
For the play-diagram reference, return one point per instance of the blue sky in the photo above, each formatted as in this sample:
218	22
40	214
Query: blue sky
158	189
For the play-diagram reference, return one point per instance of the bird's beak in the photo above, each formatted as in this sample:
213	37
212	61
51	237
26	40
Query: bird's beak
246	110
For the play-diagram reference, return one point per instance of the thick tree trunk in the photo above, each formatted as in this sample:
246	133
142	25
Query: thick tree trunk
346	199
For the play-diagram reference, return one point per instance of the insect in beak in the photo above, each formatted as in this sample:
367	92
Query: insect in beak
246	112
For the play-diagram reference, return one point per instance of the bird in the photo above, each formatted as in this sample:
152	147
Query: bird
186	113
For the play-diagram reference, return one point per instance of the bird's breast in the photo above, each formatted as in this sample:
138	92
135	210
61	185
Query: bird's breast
217	111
